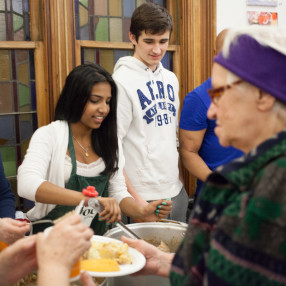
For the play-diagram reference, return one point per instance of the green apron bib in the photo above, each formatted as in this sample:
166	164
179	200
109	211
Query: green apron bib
77	183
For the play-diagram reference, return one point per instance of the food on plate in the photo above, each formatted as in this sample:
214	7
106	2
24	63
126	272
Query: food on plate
161	245
110	250
106	256
100	265
164	247
29	280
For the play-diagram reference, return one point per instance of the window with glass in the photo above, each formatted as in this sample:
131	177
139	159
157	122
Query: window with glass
18	111
105	20
14	20
107	58
108	21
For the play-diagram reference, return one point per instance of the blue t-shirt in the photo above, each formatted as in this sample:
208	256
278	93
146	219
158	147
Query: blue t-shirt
194	118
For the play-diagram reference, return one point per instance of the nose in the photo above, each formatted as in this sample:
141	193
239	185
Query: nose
212	111
104	108
156	49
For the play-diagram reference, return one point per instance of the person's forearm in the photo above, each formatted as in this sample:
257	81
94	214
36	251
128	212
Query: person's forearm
165	264
195	164
136	197
49	193
53	275
131	208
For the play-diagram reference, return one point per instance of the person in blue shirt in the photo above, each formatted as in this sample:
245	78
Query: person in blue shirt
7	198
200	149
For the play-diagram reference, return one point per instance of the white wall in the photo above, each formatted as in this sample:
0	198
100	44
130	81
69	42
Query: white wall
233	13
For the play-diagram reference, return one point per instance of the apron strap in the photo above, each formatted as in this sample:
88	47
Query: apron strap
72	152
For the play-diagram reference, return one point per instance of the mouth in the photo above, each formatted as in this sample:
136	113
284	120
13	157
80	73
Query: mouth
98	119
156	57
217	129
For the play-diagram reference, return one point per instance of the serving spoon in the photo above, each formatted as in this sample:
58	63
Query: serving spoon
127	230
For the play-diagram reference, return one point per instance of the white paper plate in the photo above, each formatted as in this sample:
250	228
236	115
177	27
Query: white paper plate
138	260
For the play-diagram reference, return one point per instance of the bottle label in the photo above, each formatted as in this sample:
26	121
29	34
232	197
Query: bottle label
87	214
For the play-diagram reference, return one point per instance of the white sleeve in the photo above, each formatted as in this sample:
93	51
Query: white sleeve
124	111
117	187
33	171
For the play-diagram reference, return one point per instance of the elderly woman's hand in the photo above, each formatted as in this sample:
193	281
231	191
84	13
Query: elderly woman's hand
157	261
111	212
12	230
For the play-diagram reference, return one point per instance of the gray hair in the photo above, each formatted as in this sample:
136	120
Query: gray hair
273	37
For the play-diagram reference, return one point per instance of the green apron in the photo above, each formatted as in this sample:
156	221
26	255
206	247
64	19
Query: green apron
77	183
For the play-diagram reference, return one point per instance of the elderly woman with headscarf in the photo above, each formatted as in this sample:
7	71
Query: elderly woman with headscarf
237	233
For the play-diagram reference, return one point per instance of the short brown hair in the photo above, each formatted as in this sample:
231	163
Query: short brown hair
151	18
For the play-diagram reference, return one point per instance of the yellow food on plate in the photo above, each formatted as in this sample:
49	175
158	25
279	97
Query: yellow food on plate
3	245
100	265
110	250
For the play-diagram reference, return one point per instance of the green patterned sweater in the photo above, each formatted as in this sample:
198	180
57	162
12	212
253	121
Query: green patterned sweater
237	233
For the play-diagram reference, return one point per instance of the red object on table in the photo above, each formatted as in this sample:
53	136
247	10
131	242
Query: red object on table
23	219
90	191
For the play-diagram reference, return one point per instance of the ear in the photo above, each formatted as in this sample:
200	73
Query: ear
132	38
265	101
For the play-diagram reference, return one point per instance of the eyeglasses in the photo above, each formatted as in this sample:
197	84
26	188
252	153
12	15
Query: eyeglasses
216	93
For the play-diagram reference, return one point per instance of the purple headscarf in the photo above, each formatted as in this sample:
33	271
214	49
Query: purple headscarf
259	65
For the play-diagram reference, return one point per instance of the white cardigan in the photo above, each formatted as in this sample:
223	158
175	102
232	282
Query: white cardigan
45	160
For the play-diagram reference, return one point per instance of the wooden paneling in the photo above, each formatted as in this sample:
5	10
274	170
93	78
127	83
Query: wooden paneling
17	45
174	9
114	45
197	43
197	40
38	34
61	42
36	20
41	86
